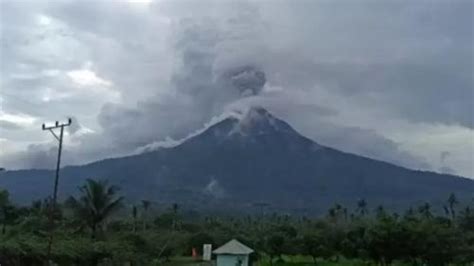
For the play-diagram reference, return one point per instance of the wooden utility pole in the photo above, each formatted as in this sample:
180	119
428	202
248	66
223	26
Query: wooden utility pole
52	204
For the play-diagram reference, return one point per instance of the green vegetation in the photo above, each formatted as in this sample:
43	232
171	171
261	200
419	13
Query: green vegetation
97	228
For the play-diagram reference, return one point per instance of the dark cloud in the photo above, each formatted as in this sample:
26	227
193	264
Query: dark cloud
248	80
37	156
367	77
314	122
200	91
444	162
444	156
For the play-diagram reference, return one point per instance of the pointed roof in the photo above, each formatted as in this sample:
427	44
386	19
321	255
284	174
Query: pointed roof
233	247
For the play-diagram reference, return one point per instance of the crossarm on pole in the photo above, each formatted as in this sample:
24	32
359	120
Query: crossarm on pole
54	134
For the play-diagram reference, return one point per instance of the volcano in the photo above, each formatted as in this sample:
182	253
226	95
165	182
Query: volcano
245	160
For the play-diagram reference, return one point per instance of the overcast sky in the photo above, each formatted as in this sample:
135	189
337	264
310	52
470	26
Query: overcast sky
391	80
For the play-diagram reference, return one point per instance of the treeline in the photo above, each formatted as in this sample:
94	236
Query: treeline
89	231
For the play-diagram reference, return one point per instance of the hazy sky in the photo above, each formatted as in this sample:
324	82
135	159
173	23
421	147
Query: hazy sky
391	80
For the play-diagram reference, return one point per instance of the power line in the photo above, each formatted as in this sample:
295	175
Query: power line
52	205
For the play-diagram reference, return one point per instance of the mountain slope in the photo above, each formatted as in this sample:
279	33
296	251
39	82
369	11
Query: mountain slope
248	159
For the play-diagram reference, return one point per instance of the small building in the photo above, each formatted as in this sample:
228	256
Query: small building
233	253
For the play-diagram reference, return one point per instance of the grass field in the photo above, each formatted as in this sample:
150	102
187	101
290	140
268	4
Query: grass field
287	261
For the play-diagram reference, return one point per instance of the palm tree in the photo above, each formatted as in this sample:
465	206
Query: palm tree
175	208
446	210
362	207
332	213
452	201
410	213
4	203
380	212
134	216
98	201
336	212
146	205
425	210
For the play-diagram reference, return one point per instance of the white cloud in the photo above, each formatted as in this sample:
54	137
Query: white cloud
20	119
140	2
85	77
44	20
432	140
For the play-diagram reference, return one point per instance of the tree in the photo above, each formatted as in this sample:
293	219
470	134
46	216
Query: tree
385	239
198	240
5	209
274	245
446	210
336	213
452	201
362	207
344	211
425	210
466	226
466	220
134	216
98	201
313	245
354	244
146	205
4	198
380	212
175	208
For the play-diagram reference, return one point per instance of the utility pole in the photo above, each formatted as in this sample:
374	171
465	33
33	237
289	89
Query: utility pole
52	205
